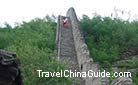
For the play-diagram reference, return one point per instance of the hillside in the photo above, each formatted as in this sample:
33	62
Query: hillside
34	43
112	42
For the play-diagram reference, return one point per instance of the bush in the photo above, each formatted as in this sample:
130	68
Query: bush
34	43
108	38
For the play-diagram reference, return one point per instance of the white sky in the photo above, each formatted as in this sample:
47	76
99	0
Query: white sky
12	11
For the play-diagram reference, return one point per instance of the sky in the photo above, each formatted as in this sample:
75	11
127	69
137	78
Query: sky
16	11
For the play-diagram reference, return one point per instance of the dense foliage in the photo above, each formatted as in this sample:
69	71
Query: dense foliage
110	40
34	43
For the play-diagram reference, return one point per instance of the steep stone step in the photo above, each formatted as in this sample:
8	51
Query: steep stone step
67	50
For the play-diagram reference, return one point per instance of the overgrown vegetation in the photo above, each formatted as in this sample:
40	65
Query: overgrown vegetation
34	43
108	38
111	40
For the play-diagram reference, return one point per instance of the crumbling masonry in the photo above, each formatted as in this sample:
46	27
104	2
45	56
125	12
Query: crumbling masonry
72	48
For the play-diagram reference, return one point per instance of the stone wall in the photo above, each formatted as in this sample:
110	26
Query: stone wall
83	56
80	46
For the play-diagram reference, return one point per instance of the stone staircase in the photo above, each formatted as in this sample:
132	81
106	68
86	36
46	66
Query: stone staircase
67	52
72	49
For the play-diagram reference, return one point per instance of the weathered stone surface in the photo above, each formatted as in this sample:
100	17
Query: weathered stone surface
71	46
66	48
85	63
122	81
10	73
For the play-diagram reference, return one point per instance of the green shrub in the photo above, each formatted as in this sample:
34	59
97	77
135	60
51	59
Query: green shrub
34	43
108	38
